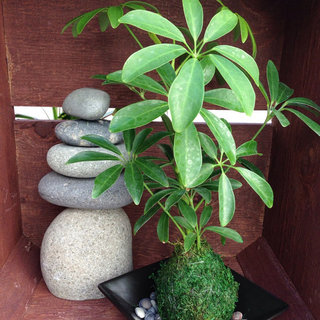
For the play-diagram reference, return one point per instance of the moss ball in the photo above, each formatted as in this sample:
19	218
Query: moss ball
195	286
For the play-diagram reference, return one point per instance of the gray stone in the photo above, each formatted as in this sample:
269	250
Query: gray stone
82	248
71	131
76	193
59	154
140	312
86	103
145	303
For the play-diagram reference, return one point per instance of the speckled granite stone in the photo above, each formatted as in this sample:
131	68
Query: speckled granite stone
86	103
82	248
71	131
76	193
59	154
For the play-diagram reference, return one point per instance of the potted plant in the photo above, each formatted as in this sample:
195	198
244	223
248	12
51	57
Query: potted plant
179	68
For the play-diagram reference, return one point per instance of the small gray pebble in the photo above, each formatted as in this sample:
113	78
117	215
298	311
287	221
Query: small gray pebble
145	303
153	295
149	316
140	312
237	315
153	310
154	305
135	317
157	317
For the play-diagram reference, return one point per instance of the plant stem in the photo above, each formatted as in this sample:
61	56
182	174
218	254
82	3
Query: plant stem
134	36
269	117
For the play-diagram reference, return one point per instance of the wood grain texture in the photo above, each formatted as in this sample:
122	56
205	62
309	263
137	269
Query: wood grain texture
45	66
19	277
34	138
260	265
10	226
292	226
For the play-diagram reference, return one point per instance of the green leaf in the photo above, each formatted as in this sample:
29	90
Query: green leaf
214	185
203	175
237	81
150	58
300	102
249	165
241	58
208	145
152	140
174	198
221	133
114	14
189	241
187	153
315	127
167	150
264	92
226	232
103	21
204	193
134	6
208	69
155	198
128	137
145	218
182	221
243	29
188	213
226	200
223	97
186	95
142	3
101	142
273	80
91	156
137	114
205	216
284	121
259	185
153	22
248	148
193	13
105	180
163	228
284	93
221	23
253	40
152	171
85	19
167	74
134	181
139	139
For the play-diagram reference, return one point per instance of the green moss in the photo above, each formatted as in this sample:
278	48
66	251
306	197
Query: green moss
195	286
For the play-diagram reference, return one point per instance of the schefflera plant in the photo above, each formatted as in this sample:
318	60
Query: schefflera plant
200	166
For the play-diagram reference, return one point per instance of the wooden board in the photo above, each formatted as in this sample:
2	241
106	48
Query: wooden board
34	138
45	66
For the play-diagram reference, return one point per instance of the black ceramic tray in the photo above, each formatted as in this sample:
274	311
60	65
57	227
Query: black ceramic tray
125	292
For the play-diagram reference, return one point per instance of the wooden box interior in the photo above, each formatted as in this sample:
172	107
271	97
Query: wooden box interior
39	67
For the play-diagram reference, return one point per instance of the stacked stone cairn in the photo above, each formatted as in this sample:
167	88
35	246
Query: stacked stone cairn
90	241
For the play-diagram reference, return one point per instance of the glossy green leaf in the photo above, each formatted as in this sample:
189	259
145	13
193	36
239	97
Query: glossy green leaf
139	139
208	145
284	93
187	212
223	97
259	185
226	232
101	142
226	200
137	115
241	58
193	13
243	29
249	165
315	127
182	221
208	69
145	218
237	81
284	121
152	140
264	92
163	228
150	58
174	197
253	41
167	150
186	95
248	148
273	80
103	21
300	102
91	156
221	133
155	198
204	193
114	14
187	153
153	171
214	185
221	23
205	216
128	137
86	18
134	181
203	175
153	22
134	6
105	180
167	74
189	241
144	4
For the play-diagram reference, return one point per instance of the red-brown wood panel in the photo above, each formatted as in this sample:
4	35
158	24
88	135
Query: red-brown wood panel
44	66
9	195
293	226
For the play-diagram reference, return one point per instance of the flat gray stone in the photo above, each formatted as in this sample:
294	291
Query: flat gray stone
59	154
82	248
76	193
86	103
71	131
